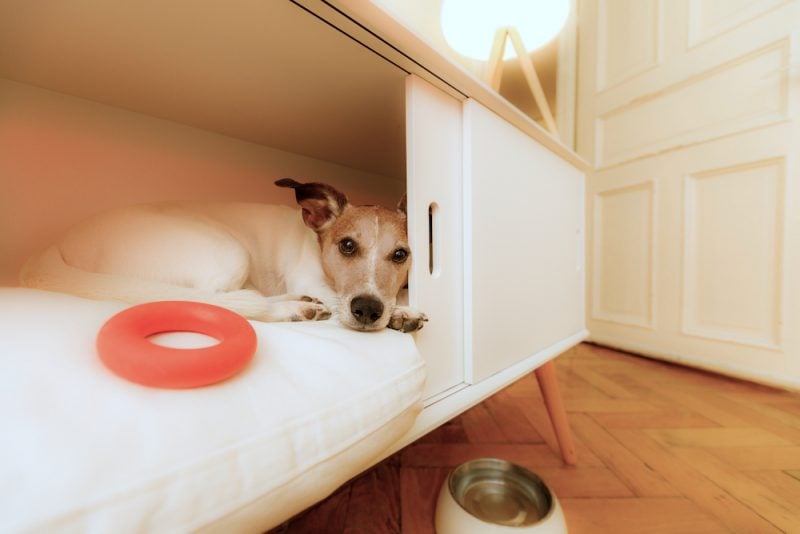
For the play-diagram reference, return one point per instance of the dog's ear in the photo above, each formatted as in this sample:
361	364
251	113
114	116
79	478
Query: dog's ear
321	203
401	205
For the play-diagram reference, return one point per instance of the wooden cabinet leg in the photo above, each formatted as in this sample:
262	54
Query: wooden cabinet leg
548	383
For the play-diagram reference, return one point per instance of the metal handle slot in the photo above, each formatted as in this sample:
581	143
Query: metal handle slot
434	248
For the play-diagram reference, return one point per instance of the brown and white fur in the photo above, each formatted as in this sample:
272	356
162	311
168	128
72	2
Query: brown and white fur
262	261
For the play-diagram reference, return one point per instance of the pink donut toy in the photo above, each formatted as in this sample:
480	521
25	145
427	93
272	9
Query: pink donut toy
124	347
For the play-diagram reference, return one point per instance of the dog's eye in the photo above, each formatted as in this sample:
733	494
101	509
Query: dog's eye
347	246
400	255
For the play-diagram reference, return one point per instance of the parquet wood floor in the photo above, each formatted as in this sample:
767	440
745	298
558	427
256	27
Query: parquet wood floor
661	448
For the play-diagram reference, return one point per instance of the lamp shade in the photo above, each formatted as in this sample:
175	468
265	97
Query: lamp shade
469	25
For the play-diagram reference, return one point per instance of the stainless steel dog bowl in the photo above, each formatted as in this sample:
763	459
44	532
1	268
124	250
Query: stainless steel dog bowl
490	495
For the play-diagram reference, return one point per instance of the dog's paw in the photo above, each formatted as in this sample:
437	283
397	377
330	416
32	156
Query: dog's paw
293	298
294	310
407	319
310	310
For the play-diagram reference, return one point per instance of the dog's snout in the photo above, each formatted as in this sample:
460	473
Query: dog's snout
366	309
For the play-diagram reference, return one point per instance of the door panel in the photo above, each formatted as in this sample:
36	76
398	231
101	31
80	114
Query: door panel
693	207
435	222
524	252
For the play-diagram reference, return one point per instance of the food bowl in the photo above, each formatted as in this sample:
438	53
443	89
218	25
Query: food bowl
489	495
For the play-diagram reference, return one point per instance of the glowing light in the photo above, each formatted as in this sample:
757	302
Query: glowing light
469	25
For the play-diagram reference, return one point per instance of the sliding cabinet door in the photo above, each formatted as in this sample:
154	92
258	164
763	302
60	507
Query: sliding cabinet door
433	130
524	239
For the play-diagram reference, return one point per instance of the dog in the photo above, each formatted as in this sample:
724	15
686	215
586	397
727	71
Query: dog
266	262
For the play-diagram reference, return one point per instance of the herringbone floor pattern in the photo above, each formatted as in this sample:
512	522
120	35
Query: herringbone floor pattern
661	448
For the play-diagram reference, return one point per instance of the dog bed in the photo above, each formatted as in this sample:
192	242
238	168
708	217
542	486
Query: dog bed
86	451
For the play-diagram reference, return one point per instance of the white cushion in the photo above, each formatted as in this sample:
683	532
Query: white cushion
84	450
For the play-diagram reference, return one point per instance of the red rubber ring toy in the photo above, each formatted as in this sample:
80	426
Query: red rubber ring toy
123	346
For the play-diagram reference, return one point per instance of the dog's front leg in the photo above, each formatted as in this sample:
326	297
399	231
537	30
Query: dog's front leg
407	319
404	317
279	308
293	308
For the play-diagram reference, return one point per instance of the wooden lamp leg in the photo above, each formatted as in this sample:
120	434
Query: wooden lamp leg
546	375
494	70
533	79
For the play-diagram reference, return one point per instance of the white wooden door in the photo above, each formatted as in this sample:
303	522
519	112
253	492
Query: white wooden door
524	278
435	230
689	111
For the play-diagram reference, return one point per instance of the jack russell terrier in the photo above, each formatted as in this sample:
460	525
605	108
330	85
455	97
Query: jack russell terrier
262	261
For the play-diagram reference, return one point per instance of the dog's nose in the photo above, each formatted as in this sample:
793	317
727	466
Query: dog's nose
366	309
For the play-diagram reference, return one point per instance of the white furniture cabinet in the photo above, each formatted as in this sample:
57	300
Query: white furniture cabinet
496	223
134	113
133	103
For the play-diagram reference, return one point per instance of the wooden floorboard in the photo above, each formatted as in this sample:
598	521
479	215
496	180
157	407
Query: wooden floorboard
661	448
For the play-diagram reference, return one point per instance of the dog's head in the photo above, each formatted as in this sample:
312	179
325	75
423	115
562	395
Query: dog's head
365	252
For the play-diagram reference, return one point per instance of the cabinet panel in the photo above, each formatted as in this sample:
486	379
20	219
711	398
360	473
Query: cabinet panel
524	245
433	127
629	40
623	264
706	271
732	263
268	73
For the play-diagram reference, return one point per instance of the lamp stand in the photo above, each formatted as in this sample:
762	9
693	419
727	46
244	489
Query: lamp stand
495	71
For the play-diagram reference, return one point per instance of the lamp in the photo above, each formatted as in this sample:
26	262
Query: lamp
479	29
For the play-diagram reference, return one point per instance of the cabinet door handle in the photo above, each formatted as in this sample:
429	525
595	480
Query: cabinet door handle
434	242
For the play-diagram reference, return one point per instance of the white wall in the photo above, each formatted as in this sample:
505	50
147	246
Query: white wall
64	158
